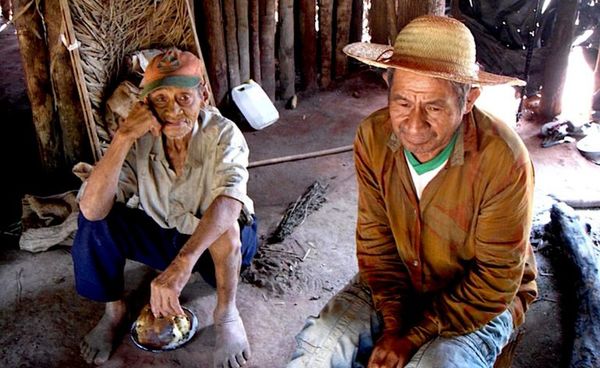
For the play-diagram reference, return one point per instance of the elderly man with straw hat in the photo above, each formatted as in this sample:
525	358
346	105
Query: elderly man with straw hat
181	169
446	271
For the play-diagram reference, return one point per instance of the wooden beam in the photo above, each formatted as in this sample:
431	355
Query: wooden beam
75	142
287	70
342	36
241	10
212	26
254	41
555	70
267	46
308	44
325	40
231	45
34	54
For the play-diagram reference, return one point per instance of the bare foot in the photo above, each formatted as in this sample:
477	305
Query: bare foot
98	343
232	348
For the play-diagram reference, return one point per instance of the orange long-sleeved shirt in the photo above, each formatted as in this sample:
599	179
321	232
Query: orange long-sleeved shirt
460	255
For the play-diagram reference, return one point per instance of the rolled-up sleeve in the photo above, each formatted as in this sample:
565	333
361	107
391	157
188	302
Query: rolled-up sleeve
231	170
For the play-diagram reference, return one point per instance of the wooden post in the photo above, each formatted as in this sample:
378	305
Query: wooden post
342	36
356	24
68	105
214	40
308	44
231	45
34	53
410	9
254	41
241	10
378	21
287	71
325	40
555	70
392	20
267	46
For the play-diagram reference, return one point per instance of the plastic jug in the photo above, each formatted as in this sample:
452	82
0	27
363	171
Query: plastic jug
254	104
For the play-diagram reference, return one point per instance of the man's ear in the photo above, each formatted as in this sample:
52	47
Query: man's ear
472	96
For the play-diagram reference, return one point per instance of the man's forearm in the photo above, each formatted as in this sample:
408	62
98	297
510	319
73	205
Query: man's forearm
101	187
220	216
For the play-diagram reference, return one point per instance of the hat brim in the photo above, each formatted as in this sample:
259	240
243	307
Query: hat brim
181	81
371	54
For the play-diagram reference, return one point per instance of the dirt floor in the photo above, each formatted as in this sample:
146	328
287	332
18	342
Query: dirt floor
43	320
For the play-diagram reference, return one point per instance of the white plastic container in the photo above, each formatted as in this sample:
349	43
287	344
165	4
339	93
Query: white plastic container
254	104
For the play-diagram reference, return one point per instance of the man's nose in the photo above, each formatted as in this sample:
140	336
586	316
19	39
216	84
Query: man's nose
173	107
416	119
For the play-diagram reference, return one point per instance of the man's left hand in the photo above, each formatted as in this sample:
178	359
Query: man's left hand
391	351
166	288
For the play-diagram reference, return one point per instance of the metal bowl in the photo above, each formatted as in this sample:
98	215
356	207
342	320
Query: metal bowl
186	338
589	147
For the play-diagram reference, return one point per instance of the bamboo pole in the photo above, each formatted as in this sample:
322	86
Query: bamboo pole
342	37
555	69
215	40
32	46
325	40
287	72
308	44
72	45
254	41
267	46
301	156
231	45
75	143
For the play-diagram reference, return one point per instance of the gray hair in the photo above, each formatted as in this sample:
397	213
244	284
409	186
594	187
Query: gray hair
460	89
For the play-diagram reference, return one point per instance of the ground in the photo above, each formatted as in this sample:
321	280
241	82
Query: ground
43	320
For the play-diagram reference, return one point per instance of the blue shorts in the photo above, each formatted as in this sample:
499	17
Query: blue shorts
101	248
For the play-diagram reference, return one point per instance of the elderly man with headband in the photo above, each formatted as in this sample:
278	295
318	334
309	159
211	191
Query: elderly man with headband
446	271
169	192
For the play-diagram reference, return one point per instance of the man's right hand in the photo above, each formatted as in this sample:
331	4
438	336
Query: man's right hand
392	351
139	121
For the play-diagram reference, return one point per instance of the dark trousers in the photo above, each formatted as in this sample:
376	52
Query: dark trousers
101	248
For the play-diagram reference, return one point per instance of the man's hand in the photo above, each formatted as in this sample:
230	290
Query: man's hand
166	288
140	121
391	351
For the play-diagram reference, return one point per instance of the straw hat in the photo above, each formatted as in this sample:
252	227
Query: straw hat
434	46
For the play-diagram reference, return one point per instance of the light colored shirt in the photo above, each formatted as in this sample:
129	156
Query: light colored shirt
450	262
420	181
216	165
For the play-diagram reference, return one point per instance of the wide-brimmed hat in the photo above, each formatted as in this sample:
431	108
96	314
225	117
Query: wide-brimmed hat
435	46
172	68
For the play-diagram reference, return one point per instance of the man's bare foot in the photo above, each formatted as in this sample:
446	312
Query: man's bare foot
97	345
232	348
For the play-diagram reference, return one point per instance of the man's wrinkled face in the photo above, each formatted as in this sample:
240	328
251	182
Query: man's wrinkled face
177	109
425	112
